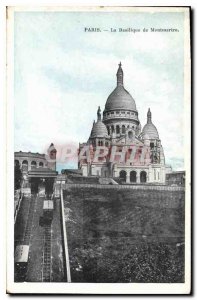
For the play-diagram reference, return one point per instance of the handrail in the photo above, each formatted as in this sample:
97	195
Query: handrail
65	239
125	186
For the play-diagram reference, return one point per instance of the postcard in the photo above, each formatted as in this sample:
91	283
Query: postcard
99	126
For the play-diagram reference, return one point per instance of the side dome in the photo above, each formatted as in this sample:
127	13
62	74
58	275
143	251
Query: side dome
120	97
149	130
99	130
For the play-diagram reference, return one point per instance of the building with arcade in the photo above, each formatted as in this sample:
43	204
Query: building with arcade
37	169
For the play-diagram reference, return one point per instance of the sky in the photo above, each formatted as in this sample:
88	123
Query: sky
62	74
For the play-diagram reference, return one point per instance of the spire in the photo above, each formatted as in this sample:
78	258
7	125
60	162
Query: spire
149	116
119	75
99	114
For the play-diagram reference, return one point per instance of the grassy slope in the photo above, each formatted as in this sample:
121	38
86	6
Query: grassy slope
125	235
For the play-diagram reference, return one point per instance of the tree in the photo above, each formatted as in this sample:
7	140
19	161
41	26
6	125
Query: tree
17	176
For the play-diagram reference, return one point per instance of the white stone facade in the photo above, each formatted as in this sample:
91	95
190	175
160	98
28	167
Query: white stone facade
119	135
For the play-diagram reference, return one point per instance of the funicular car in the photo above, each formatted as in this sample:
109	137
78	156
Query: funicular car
48	211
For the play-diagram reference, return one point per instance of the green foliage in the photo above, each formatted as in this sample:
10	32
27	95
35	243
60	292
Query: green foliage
17	176
140	263
126	236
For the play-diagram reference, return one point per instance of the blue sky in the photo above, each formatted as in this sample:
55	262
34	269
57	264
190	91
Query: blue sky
62	74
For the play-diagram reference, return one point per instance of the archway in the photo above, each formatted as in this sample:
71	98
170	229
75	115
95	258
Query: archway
33	165
123	129
143	176
25	165
133	176
123	175
41	164
16	162
34	182
130	134
117	129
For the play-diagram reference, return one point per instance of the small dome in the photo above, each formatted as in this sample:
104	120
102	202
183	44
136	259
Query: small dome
99	130
120	99
149	130
52	147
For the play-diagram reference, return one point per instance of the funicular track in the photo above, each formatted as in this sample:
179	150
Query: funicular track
27	233
47	250
20	269
46	270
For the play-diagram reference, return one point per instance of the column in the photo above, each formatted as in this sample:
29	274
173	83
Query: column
150	177
128	178
138	177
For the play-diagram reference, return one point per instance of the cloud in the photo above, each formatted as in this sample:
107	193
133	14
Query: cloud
62	74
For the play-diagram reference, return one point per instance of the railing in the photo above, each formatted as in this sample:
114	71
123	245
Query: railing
16	210
122	116
66	253
125	186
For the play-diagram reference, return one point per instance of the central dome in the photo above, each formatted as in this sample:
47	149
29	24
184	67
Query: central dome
120	97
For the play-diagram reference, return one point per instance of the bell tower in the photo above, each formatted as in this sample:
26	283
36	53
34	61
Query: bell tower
52	157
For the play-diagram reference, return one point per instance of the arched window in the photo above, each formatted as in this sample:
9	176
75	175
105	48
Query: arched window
143	176
41	164
16	162
117	129
112	129
130	134
101	143
123	175
33	164
123	129
108	130
155	174
25	165
133	176
151	145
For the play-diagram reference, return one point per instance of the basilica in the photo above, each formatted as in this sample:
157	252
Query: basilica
119	147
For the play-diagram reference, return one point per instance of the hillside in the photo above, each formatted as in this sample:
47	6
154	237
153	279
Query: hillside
125	235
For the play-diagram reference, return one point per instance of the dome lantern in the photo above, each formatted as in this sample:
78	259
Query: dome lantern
119	75
99	114
149	117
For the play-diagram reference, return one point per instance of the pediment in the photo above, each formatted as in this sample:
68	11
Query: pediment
126	141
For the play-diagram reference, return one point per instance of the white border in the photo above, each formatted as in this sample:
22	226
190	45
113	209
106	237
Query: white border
85	288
